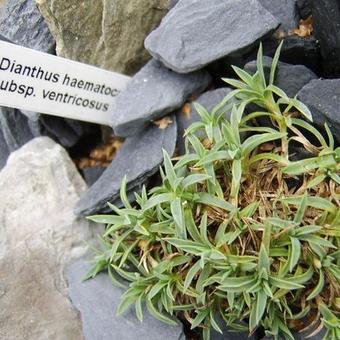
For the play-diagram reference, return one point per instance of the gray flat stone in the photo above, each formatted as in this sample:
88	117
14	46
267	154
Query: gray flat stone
15	131
195	33
304	8
285	11
305	335
22	24
152	93
322	96
91	175
15	128
230	335
97	301
4	152
138	159
209	100
290	78
326	22
67	132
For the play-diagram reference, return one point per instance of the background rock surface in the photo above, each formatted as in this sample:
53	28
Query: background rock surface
39	235
97	301
22	24
138	159
195	33
108	33
322	96
156	91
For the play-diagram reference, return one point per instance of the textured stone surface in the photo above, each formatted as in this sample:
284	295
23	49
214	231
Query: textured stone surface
304	8
209	100
322	96
284	10
195	33
230	335
108	33
296	50
290	78
152	93
326	22
4	152
15	131
39	235
97	301
67	132
92	174
14	127
138	159
22	24
19	127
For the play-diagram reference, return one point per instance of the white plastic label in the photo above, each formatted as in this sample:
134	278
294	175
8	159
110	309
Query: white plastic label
40	82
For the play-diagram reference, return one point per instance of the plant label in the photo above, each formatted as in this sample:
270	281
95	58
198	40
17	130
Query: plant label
40	82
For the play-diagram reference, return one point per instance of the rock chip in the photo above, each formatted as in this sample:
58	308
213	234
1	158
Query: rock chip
152	93
296	50
39	236
97	301
285	11
185	118
304	8
91	175
290	78
230	335
108	34
326	22
322	96
67	132
18	127
15	131
14	127
138	159
4	152
22	24
195	33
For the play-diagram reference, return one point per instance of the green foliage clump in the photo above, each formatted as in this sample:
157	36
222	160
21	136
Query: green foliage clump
238	232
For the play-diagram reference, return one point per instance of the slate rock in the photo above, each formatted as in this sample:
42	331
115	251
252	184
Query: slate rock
4	152
32	116
66	132
295	50
109	34
230	335
209	100
285	11
138	159
173	3
14	127
290	78
97	301
152	93
39	236
15	130
22	24
304	8
326	22
306	335
195	33
322	96
92	174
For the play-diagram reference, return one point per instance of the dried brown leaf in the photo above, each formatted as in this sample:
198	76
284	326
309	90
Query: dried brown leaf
305	28
163	123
